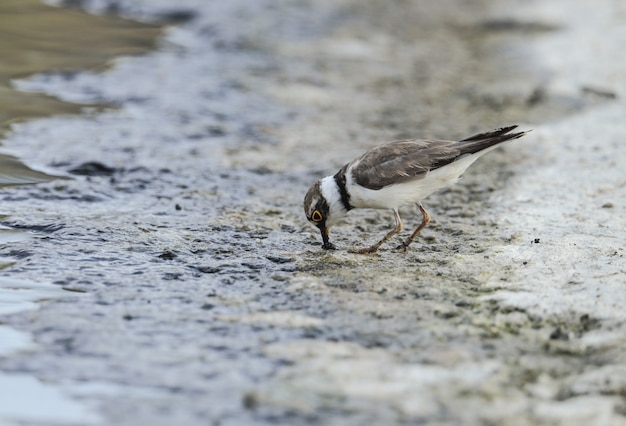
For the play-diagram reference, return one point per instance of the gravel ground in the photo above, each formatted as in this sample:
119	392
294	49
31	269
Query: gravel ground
200	293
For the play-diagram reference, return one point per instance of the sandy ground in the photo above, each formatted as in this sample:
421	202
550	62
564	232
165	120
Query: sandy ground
203	295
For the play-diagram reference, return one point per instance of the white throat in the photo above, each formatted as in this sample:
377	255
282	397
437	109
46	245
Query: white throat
330	192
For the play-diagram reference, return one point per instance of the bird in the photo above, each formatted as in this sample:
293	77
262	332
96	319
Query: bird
393	175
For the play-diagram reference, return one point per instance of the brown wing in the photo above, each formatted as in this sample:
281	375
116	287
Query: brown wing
399	161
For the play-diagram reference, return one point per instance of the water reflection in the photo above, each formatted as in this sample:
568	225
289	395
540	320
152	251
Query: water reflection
10	235
35	38
13	172
20	295
38	38
21	393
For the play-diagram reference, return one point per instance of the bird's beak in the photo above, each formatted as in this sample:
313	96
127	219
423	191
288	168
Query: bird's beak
327	244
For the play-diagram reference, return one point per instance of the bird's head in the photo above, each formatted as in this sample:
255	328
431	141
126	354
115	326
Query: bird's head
320	212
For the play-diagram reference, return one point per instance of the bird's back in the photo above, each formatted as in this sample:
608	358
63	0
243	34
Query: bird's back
401	161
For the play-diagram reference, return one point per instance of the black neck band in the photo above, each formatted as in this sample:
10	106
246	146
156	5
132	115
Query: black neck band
340	179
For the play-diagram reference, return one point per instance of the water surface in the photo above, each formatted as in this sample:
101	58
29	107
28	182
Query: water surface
36	38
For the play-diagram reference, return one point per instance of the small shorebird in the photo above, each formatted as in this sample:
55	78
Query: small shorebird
395	174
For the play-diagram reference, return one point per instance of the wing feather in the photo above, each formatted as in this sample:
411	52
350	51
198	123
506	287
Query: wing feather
401	161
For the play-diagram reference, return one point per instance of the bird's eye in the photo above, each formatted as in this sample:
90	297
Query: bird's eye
316	216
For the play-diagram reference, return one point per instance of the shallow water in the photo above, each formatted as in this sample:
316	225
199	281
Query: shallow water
206	295
20	393
35	37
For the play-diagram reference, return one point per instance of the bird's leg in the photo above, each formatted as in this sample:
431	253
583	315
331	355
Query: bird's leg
374	248
425	220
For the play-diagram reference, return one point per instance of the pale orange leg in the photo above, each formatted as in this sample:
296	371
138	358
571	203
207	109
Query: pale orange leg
374	248
425	220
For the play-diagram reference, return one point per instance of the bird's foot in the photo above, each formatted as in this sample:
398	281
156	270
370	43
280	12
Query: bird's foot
329	246
401	248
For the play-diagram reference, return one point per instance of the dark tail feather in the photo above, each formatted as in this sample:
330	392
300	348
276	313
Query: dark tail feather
482	141
488	135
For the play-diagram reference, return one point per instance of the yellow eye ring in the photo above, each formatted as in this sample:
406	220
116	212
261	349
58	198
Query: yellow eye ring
317	216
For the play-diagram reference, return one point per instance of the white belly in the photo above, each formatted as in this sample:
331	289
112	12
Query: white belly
410	192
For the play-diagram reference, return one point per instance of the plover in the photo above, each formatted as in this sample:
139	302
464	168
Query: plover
395	174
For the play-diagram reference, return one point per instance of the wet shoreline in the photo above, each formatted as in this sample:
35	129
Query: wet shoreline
38	38
206	291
